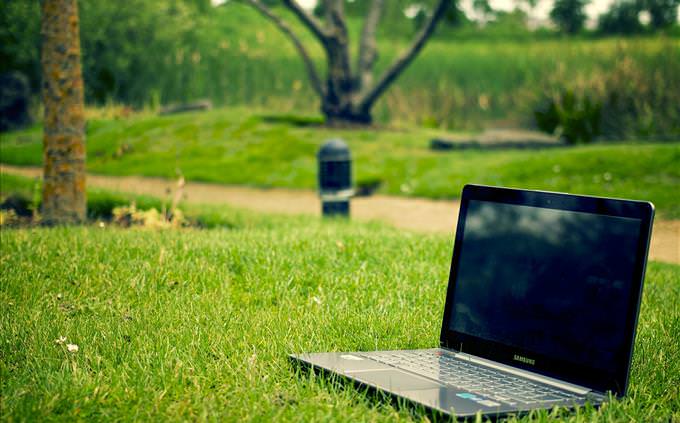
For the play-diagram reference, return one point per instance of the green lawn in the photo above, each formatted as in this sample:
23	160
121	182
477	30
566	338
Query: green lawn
196	324
235	146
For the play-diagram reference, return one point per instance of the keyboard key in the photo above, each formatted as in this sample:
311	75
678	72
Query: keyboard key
491	383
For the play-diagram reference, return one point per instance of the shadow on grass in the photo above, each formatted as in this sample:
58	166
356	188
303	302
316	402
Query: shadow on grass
294	120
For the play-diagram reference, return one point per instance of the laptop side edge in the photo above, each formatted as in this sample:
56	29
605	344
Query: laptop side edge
645	239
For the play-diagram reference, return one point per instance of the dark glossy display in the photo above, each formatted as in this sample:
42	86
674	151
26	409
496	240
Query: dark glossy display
548	282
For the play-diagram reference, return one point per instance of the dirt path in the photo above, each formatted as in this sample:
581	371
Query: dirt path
407	213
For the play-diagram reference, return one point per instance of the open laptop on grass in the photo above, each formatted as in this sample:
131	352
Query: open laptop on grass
541	309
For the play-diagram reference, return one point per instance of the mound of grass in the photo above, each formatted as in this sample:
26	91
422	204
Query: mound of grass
197	324
234	146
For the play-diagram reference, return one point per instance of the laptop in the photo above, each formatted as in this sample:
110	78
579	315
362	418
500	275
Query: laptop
541	309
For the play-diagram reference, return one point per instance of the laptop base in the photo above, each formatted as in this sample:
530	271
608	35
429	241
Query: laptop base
421	390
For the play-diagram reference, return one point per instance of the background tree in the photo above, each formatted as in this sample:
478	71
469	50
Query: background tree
526	5
663	13
19	39
621	18
569	15
484	10
349	92
454	16
64	135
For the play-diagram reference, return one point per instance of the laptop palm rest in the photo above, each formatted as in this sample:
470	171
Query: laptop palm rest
393	380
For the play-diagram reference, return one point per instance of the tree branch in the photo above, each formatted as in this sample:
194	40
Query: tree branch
338	40
308	20
367	46
311	69
369	97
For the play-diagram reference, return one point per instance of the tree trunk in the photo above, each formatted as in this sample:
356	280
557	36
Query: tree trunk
337	102
64	135
344	116
348	97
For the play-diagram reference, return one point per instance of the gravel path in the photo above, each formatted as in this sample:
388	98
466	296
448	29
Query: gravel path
408	213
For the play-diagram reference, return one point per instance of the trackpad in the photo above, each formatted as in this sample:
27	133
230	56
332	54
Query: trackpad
393	380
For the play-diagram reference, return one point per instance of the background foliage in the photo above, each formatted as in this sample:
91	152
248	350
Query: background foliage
145	53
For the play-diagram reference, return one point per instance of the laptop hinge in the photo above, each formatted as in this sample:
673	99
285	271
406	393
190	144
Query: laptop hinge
578	389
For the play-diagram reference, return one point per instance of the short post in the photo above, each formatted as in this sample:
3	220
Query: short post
335	178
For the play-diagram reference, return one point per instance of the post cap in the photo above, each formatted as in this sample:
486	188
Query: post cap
334	150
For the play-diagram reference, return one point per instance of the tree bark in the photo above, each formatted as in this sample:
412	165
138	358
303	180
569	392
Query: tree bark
337	103
307	19
64	199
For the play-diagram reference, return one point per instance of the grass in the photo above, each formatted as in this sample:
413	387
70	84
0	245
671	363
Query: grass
237	146
196	324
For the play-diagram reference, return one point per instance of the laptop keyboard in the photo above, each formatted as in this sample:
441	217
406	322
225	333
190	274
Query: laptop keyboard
473	377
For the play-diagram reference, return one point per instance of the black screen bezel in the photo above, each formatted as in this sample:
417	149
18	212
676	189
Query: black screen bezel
615	382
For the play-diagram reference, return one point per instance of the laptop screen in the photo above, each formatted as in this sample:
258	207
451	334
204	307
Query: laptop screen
547	282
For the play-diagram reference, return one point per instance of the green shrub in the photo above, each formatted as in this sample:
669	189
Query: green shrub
575	118
100	204
629	99
642	101
18	203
